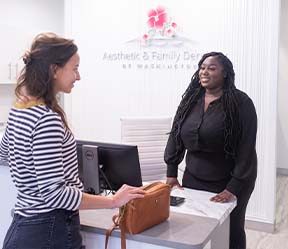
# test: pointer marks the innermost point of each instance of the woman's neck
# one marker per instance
(25, 101)
(214, 93)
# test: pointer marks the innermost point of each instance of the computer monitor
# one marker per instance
(88, 156)
(119, 163)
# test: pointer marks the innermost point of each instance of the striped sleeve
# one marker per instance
(47, 141)
(4, 149)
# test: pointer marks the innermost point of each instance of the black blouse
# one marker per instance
(202, 134)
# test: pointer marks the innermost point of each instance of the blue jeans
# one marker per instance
(58, 229)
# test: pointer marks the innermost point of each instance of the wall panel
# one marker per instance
(247, 31)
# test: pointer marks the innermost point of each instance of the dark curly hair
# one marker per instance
(228, 99)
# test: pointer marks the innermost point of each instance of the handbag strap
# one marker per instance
(123, 238)
(116, 220)
(108, 234)
(109, 231)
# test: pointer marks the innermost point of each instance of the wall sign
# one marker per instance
(162, 47)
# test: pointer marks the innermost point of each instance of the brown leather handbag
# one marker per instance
(140, 214)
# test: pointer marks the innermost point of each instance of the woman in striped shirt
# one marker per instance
(41, 151)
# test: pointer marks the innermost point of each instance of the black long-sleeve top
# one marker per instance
(202, 134)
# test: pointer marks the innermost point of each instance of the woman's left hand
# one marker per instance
(224, 196)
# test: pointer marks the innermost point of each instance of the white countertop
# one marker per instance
(1, 135)
(198, 203)
(2, 130)
(191, 225)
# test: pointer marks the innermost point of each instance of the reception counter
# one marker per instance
(196, 224)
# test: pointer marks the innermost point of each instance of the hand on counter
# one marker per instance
(224, 196)
(173, 182)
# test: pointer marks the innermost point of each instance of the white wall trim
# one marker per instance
(260, 226)
(282, 171)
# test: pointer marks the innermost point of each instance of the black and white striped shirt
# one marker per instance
(43, 162)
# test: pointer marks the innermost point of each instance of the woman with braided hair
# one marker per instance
(216, 124)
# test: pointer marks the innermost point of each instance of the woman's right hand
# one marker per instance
(125, 194)
(173, 182)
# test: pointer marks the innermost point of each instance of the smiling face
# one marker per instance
(66, 76)
(211, 74)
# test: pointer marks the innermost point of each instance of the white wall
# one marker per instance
(20, 22)
(245, 30)
(6, 100)
(282, 117)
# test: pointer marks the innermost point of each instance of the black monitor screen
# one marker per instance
(119, 163)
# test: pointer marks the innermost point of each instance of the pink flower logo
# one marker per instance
(161, 30)
(159, 24)
(157, 18)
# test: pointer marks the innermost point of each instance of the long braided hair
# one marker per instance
(228, 99)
